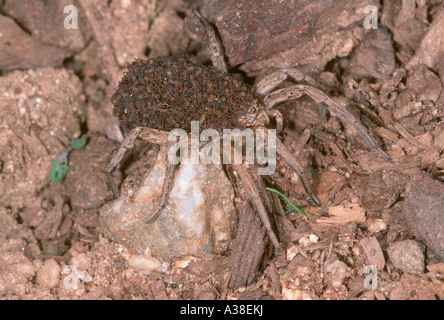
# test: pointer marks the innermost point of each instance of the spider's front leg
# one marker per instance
(153, 136)
(116, 158)
(297, 166)
(265, 86)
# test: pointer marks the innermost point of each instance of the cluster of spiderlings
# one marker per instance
(165, 94)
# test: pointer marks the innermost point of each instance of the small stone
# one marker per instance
(292, 252)
(313, 238)
(374, 57)
(143, 264)
(295, 294)
(183, 263)
(48, 275)
(377, 225)
(337, 271)
(80, 261)
(26, 269)
(424, 84)
(379, 190)
(304, 242)
(407, 255)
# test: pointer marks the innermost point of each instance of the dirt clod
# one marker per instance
(49, 274)
(89, 161)
(407, 255)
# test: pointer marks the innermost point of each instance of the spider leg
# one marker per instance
(294, 163)
(167, 183)
(266, 85)
(151, 135)
(255, 197)
(339, 111)
(326, 102)
(114, 161)
(308, 87)
(215, 44)
(279, 120)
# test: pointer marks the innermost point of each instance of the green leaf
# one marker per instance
(54, 169)
(77, 143)
(289, 202)
(58, 171)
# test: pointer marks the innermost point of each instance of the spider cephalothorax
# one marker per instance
(165, 94)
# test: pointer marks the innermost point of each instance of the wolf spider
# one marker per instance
(258, 116)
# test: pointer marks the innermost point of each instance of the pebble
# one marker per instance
(377, 225)
(48, 275)
(292, 252)
(144, 264)
(407, 255)
(80, 261)
(295, 294)
(183, 263)
(337, 271)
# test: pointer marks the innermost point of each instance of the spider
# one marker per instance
(161, 94)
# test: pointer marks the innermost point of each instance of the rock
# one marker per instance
(48, 275)
(423, 209)
(295, 294)
(376, 225)
(410, 33)
(432, 45)
(379, 190)
(197, 220)
(407, 255)
(263, 35)
(80, 260)
(424, 83)
(415, 288)
(18, 50)
(44, 20)
(167, 35)
(144, 264)
(127, 26)
(337, 271)
(40, 116)
(374, 57)
(292, 251)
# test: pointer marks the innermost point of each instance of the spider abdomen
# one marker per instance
(165, 94)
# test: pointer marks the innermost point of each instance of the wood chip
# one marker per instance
(340, 215)
(373, 252)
